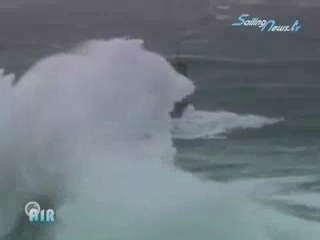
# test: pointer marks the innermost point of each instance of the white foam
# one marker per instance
(203, 124)
(95, 123)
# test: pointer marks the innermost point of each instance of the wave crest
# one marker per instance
(206, 125)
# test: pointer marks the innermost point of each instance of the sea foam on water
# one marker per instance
(87, 133)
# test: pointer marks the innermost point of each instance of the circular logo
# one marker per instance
(30, 206)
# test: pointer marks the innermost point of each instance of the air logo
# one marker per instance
(38, 215)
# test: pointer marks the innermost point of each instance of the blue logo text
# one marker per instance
(266, 25)
(38, 215)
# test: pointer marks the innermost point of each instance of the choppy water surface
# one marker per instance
(87, 132)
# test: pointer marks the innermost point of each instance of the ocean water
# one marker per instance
(87, 132)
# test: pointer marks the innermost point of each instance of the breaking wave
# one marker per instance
(203, 124)
(87, 133)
